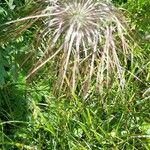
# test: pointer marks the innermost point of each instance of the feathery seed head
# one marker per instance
(92, 41)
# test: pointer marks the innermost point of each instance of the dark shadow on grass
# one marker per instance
(14, 114)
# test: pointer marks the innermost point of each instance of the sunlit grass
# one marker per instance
(98, 115)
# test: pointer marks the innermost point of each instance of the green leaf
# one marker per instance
(2, 71)
(10, 4)
(2, 11)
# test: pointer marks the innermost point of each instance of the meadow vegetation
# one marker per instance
(74, 75)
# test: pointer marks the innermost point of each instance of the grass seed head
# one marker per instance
(91, 37)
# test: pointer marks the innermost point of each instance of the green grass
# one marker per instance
(33, 116)
(112, 120)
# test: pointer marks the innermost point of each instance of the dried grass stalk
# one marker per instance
(90, 35)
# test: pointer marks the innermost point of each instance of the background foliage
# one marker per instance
(31, 117)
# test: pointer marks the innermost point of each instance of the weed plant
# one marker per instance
(32, 117)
